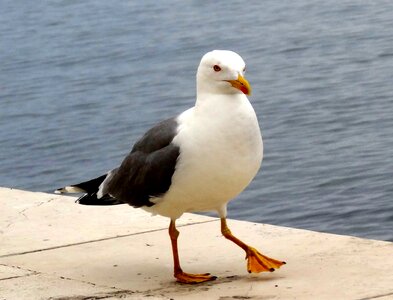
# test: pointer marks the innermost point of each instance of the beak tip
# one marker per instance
(241, 84)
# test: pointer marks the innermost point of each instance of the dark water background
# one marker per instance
(81, 80)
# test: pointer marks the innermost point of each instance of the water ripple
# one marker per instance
(80, 81)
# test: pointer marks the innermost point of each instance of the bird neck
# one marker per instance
(212, 104)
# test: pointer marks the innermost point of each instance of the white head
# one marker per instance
(221, 72)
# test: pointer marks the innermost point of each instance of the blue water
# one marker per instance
(81, 80)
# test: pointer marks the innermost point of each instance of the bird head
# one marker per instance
(222, 72)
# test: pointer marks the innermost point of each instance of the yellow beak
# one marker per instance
(241, 84)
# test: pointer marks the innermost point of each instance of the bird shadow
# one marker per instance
(235, 279)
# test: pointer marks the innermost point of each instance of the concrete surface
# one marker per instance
(52, 248)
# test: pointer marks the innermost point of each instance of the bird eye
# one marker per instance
(216, 68)
(244, 70)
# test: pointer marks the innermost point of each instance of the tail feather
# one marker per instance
(90, 188)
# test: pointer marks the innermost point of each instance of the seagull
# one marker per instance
(197, 161)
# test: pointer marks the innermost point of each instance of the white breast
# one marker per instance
(220, 153)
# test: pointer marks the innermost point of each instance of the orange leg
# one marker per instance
(256, 262)
(178, 272)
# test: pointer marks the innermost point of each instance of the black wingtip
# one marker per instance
(91, 199)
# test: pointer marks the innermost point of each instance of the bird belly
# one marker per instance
(214, 166)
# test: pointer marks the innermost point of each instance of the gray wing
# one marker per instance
(147, 170)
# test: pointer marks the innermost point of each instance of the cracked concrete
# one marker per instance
(56, 249)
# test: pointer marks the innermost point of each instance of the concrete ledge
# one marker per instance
(51, 248)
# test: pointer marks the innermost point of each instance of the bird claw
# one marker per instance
(188, 278)
(257, 262)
